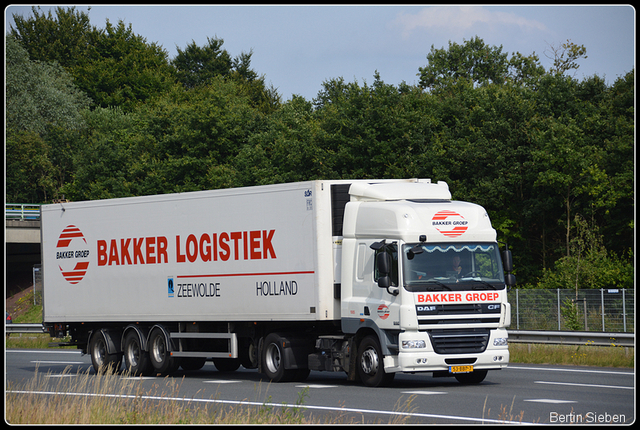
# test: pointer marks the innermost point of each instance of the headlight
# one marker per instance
(500, 341)
(414, 344)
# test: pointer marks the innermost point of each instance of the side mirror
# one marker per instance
(510, 279)
(383, 262)
(384, 281)
(507, 261)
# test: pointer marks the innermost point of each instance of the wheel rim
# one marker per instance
(100, 352)
(369, 361)
(133, 354)
(158, 349)
(272, 358)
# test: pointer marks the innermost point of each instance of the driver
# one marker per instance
(456, 265)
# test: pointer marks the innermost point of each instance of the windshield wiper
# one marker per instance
(420, 286)
(437, 283)
(483, 287)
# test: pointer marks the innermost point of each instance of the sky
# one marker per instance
(297, 48)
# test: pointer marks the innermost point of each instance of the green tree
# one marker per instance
(589, 264)
(473, 60)
(113, 66)
(39, 94)
(41, 101)
(66, 39)
(197, 65)
(565, 56)
(284, 149)
(28, 167)
(125, 70)
(192, 137)
(102, 168)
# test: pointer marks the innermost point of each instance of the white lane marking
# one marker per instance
(137, 378)
(424, 392)
(46, 351)
(221, 381)
(584, 385)
(570, 370)
(316, 386)
(549, 401)
(57, 362)
(282, 405)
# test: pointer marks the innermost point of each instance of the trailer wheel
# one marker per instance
(370, 365)
(475, 377)
(135, 358)
(226, 364)
(100, 358)
(192, 363)
(273, 359)
(159, 354)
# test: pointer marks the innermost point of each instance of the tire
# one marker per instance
(301, 375)
(370, 365)
(475, 377)
(273, 360)
(103, 361)
(248, 353)
(192, 363)
(136, 359)
(159, 355)
(226, 364)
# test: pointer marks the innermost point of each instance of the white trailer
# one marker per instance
(354, 276)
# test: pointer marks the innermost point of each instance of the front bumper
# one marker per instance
(427, 360)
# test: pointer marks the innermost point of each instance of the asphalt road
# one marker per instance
(520, 393)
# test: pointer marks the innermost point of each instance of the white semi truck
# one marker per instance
(366, 277)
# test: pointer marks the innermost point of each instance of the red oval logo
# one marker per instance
(383, 312)
(449, 223)
(72, 254)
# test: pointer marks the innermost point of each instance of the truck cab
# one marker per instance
(422, 275)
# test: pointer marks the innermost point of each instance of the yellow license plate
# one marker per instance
(460, 369)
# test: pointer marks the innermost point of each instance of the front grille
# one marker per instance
(461, 321)
(463, 341)
(466, 313)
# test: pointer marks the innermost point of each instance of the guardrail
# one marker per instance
(20, 211)
(594, 338)
(24, 328)
(515, 336)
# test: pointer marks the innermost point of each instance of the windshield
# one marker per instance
(457, 266)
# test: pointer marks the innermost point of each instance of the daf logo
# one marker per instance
(425, 308)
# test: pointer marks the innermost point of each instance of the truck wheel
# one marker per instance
(100, 358)
(192, 363)
(226, 364)
(159, 354)
(301, 375)
(370, 365)
(273, 359)
(135, 358)
(475, 377)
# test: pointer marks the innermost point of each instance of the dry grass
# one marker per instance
(106, 398)
(572, 355)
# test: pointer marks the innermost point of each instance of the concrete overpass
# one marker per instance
(22, 245)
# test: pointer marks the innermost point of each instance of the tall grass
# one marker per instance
(576, 355)
(107, 398)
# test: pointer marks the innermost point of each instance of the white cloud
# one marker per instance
(459, 19)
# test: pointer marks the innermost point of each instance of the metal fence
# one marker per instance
(21, 211)
(611, 310)
(37, 284)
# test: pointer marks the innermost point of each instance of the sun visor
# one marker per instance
(423, 189)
